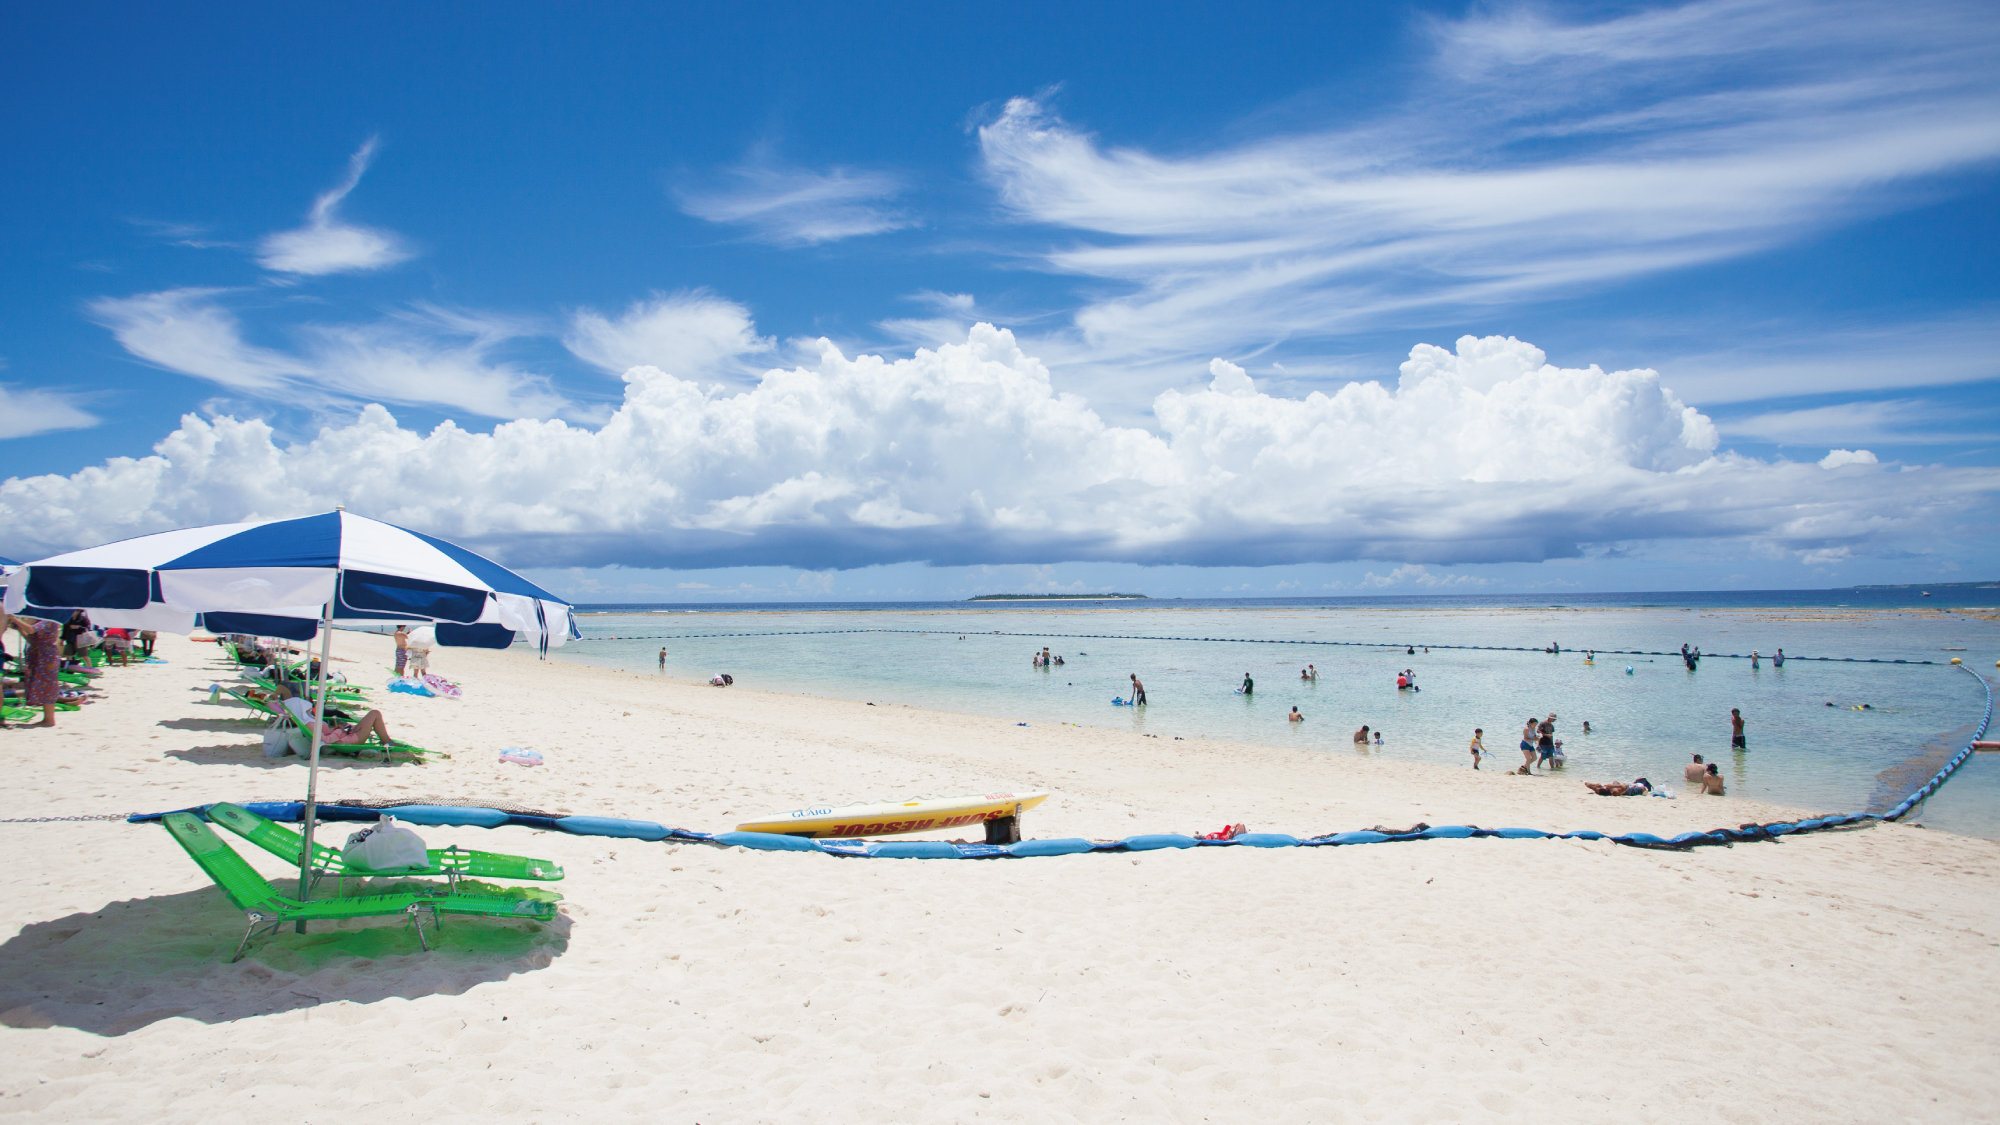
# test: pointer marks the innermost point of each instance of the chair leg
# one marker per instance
(256, 920)
(417, 919)
(245, 943)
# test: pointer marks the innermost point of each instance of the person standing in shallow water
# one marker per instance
(1736, 741)
(1249, 685)
(1478, 745)
(1138, 690)
(663, 660)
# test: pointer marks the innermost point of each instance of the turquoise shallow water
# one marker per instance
(1802, 752)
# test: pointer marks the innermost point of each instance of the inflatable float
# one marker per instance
(891, 818)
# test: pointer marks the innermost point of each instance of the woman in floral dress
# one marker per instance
(41, 661)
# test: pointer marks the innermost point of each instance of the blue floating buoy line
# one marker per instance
(483, 817)
(1225, 640)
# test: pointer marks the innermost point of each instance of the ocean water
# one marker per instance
(1886, 728)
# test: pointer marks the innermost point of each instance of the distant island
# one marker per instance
(1052, 597)
(1987, 585)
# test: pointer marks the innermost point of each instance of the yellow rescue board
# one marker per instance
(893, 817)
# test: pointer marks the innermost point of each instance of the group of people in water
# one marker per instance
(1541, 750)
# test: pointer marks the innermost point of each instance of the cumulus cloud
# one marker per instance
(1537, 155)
(426, 356)
(800, 207)
(691, 335)
(1835, 458)
(1417, 574)
(325, 244)
(25, 411)
(967, 454)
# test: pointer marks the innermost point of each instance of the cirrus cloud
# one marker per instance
(967, 453)
(689, 334)
(25, 411)
(426, 355)
(325, 244)
(1537, 156)
(796, 206)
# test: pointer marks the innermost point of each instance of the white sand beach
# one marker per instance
(1843, 976)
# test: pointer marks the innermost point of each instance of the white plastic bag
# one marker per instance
(277, 742)
(388, 846)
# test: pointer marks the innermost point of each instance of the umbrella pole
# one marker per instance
(312, 762)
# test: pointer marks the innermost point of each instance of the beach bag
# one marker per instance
(277, 742)
(300, 742)
(388, 846)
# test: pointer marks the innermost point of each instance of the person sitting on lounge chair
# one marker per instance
(348, 734)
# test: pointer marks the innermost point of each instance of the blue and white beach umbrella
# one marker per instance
(279, 578)
(294, 578)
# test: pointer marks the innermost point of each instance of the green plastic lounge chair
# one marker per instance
(266, 908)
(263, 678)
(452, 862)
(355, 749)
(256, 705)
(282, 718)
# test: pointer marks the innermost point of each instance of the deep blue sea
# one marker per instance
(1832, 735)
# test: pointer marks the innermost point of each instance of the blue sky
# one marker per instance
(1768, 228)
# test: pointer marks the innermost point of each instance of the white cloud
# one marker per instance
(186, 330)
(1948, 351)
(1835, 458)
(1904, 421)
(430, 356)
(799, 207)
(327, 245)
(1417, 574)
(1537, 157)
(25, 411)
(967, 454)
(692, 335)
